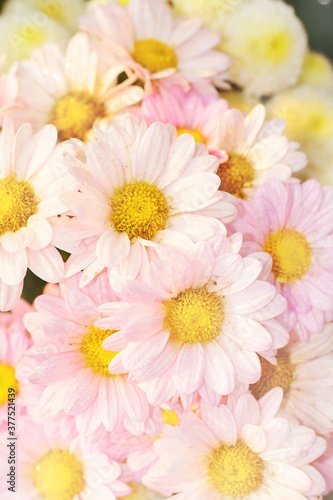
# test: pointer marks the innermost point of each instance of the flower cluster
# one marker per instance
(182, 346)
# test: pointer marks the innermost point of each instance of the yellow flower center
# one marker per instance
(139, 209)
(271, 46)
(236, 174)
(317, 70)
(193, 132)
(154, 55)
(17, 203)
(195, 315)
(236, 470)
(7, 380)
(170, 417)
(59, 475)
(291, 254)
(51, 8)
(123, 2)
(280, 375)
(74, 114)
(96, 357)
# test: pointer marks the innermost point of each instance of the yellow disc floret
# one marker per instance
(154, 55)
(198, 137)
(139, 209)
(291, 254)
(236, 471)
(236, 174)
(195, 315)
(74, 114)
(170, 417)
(96, 357)
(7, 380)
(59, 475)
(280, 375)
(272, 46)
(17, 203)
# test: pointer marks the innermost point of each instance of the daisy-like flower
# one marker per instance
(53, 466)
(143, 188)
(293, 223)
(31, 178)
(21, 33)
(308, 112)
(256, 149)
(73, 91)
(317, 71)
(63, 12)
(145, 37)
(267, 43)
(70, 359)
(191, 113)
(199, 324)
(304, 371)
(240, 451)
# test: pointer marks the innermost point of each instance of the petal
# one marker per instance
(47, 264)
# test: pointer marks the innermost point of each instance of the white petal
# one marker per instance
(47, 264)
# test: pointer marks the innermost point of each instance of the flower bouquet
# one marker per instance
(163, 172)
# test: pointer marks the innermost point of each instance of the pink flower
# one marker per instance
(191, 112)
(145, 37)
(293, 223)
(196, 324)
(325, 465)
(142, 188)
(70, 360)
(241, 451)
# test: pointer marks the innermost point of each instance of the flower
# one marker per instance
(308, 112)
(211, 12)
(325, 465)
(304, 371)
(145, 37)
(143, 188)
(51, 465)
(293, 223)
(196, 324)
(21, 34)
(71, 361)
(72, 90)
(267, 43)
(63, 12)
(191, 113)
(317, 71)
(31, 179)
(256, 149)
(241, 451)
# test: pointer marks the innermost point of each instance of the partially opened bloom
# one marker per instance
(257, 151)
(71, 361)
(143, 188)
(53, 466)
(71, 90)
(196, 324)
(293, 223)
(304, 371)
(145, 37)
(191, 112)
(31, 178)
(238, 451)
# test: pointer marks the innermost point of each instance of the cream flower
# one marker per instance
(267, 43)
(317, 70)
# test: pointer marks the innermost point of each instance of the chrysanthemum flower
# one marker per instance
(317, 71)
(21, 34)
(241, 451)
(142, 188)
(145, 37)
(257, 150)
(72, 90)
(293, 223)
(31, 178)
(51, 466)
(308, 112)
(191, 113)
(267, 43)
(70, 359)
(304, 371)
(64, 12)
(197, 323)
